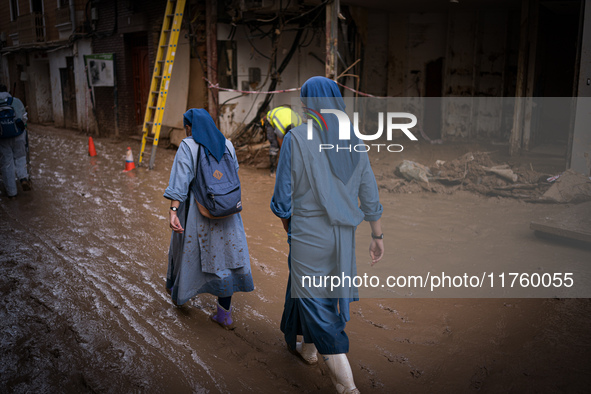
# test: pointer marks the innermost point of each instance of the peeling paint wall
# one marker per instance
(57, 59)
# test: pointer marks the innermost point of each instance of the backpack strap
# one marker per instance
(194, 146)
(6, 102)
(232, 152)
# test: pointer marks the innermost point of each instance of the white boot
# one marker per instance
(307, 352)
(340, 373)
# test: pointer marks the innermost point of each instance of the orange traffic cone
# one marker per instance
(129, 164)
(91, 150)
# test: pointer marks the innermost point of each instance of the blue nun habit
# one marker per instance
(325, 196)
(211, 255)
(205, 132)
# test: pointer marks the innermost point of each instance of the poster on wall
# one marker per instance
(100, 68)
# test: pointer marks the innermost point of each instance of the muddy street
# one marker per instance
(83, 259)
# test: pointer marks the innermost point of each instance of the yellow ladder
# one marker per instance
(167, 47)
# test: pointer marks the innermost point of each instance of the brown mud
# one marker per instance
(83, 260)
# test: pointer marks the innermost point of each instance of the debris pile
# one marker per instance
(476, 172)
(569, 187)
(256, 155)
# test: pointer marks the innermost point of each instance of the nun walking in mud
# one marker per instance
(206, 255)
(321, 197)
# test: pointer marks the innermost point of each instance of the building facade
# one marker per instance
(478, 50)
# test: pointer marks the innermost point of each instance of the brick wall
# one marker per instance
(107, 42)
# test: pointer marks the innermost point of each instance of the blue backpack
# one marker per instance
(218, 186)
(9, 126)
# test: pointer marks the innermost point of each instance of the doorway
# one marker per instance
(558, 35)
(69, 94)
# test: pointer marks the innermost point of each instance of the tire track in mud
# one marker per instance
(110, 296)
(44, 285)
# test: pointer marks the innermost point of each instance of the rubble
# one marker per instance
(410, 170)
(570, 187)
(475, 172)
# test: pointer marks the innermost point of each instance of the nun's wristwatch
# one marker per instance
(377, 236)
(174, 209)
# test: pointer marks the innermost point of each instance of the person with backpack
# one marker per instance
(208, 251)
(13, 143)
(321, 196)
(277, 123)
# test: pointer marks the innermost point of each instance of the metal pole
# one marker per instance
(211, 15)
(332, 23)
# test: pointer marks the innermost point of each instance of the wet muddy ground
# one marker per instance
(84, 309)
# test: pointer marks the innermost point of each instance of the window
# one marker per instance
(37, 6)
(13, 10)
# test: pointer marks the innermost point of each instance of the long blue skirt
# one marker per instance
(318, 249)
(317, 319)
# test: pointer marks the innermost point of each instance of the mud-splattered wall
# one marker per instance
(446, 54)
(475, 66)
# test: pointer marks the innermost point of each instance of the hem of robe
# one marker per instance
(220, 287)
(318, 320)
